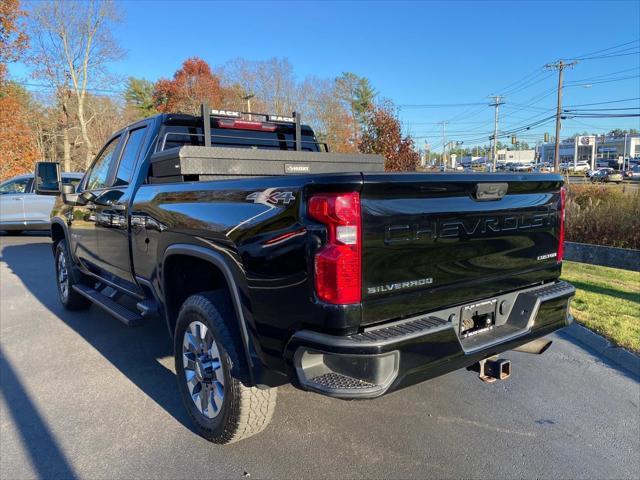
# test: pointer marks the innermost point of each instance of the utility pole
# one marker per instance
(444, 141)
(247, 98)
(624, 151)
(560, 66)
(497, 101)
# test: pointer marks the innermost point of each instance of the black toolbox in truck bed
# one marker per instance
(209, 163)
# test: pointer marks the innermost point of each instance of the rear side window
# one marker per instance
(129, 156)
(100, 171)
(282, 139)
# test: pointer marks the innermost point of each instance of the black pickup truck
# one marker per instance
(273, 261)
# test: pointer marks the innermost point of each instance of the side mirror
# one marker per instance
(47, 178)
(67, 189)
(69, 195)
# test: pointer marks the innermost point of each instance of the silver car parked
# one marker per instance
(22, 209)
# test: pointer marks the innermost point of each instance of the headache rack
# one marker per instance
(200, 160)
(206, 114)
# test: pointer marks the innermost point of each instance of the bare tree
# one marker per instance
(272, 83)
(72, 46)
(321, 108)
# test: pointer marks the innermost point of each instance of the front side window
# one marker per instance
(129, 155)
(19, 185)
(100, 171)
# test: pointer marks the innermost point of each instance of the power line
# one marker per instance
(605, 115)
(604, 103)
(528, 77)
(527, 107)
(438, 123)
(51, 87)
(589, 125)
(527, 85)
(508, 133)
(619, 79)
(534, 77)
(606, 75)
(533, 100)
(534, 73)
(637, 52)
(580, 57)
(599, 109)
(438, 105)
(536, 123)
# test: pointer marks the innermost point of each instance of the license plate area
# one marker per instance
(478, 318)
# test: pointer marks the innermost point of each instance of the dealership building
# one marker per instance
(591, 148)
(516, 156)
(503, 156)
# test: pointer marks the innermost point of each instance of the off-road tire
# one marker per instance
(72, 300)
(246, 410)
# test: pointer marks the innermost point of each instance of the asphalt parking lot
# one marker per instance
(85, 397)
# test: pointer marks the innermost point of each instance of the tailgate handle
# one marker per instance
(490, 191)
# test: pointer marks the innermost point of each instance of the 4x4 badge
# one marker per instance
(271, 197)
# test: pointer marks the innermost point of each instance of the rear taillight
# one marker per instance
(338, 276)
(563, 199)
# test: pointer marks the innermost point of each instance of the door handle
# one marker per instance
(144, 221)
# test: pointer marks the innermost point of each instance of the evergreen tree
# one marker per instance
(138, 95)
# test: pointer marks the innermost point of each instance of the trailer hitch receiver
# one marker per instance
(492, 369)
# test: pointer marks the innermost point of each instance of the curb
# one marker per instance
(625, 258)
(618, 355)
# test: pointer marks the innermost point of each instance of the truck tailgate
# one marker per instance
(435, 240)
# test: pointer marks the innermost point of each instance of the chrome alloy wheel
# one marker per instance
(203, 369)
(63, 276)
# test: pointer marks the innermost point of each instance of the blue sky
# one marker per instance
(413, 52)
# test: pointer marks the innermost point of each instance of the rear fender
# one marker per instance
(233, 280)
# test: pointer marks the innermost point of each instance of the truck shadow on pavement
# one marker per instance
(46, 455)
(133, 351)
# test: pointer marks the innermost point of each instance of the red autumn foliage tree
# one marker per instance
(382, 134)
(17, 146)
(191, 85)
(18, 150)
(13, 40)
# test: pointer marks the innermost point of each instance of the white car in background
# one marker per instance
(22, 209)
(580, 166)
